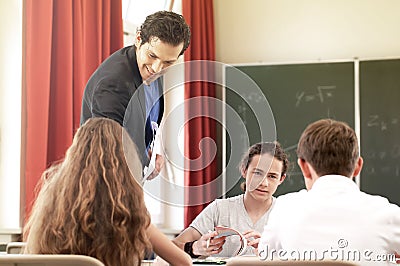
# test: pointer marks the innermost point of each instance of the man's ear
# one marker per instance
(305, 168)
(243, 172)
(358, 167)
(282, 178)
(138, 39)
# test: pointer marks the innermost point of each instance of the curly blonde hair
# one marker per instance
(90, 203)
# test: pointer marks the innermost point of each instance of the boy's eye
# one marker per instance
(272, 176)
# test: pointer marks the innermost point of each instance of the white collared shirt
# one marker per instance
(334, 220)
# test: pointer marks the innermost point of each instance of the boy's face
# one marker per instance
(263, 176)
(154, 56)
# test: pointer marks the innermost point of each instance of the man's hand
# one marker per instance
(159, 164)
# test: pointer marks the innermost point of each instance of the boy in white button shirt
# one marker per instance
(333, 220)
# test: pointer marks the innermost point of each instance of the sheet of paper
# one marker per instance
(227, 231)
(155, 146)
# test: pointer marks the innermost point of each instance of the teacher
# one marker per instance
(133, 74)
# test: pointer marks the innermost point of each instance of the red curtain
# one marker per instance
(64, 42)
(199, 15)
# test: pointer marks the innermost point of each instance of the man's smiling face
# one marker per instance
(154, 56)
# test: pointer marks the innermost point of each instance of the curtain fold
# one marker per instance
(65, 41)
(199, 15)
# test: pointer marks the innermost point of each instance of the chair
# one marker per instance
(15, 247)
(255, 261)
(48, 260)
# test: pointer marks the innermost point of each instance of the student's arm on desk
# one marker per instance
(166, 249)
(204, 245)
(188, 235)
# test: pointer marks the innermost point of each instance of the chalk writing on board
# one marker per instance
(242, 109)
(382, 124)
(290, 148)
(381, 158)
(388, 170)
(393, 153)
(322, 93)
(255, 97)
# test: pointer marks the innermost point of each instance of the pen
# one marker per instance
(208, 240)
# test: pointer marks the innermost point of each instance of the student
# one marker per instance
(90, 204)
(333, 219)
(264, 167)
(159, 42)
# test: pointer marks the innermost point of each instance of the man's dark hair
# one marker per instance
(167, 26)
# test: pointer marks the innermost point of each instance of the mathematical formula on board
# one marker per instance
(389, 170)
(385, 158)
(321, 95)
(375, 121)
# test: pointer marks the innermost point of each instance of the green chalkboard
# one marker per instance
(380, 127)
(283, 99)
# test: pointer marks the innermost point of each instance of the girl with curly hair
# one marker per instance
(91, 204)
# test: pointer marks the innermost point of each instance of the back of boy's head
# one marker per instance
(331, 147)
(167, 26)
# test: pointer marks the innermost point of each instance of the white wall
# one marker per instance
(305, 30)
(10, 114)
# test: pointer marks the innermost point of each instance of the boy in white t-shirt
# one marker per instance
(264, 167)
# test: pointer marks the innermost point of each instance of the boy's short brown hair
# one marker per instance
(330, 147)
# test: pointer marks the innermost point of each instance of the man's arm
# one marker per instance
(107, 101)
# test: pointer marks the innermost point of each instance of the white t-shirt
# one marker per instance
(334, 220)
(229, 212)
